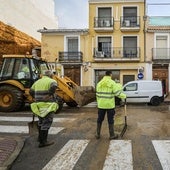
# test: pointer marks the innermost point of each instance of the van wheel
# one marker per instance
(155, 101)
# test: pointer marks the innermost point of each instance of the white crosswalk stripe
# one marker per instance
(162, 148)
(67, 157)
(23, 129)
(28, 119)
(117, 155)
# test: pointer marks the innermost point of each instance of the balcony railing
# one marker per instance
(160, 54)
(117, 53)
(103, 22)
(130, 22)
(70, 57)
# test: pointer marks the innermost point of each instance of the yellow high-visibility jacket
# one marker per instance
(106, 91)
(42, 91)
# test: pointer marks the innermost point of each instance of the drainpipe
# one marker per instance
(145, 19)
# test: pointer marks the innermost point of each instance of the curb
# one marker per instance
(13, 155)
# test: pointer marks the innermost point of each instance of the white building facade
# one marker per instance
(29, 16)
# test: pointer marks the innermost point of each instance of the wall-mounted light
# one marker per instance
(141, 69)
(86, 65)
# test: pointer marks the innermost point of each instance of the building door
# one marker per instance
(73, 73)
(162, 75)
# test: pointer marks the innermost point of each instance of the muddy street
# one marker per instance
(147, 126)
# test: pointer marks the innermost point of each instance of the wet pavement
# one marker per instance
(10, 147)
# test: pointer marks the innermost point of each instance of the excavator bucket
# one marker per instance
(84, 95)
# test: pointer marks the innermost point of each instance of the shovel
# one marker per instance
(125, 126)
(33, 126)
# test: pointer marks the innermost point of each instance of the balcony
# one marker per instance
(117, 54)
(70, 57)
(161, 55)
(130, 23)
(103, 24)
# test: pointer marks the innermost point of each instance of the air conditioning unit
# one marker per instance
(127, 23)
(99, 54)
(107, 23)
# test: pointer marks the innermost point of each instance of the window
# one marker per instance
(130, 16)
(8, 68)
(72, 44)
(127, 78)
(161, 47)
(104, 17)
(131, 87)
(130, 46)
(100, 73)
(104, 45)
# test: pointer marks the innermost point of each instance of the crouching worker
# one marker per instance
(106, 91)
(45, 105)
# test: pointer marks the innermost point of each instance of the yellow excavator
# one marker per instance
(19, 72)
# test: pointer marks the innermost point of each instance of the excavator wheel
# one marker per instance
(72, 104)
(11, 98)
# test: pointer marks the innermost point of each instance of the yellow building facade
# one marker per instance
(114, 40)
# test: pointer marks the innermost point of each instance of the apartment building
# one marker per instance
(66, 51)
(158, 50)
(115, 41)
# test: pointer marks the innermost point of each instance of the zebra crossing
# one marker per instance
(119, 154)
(24, 129)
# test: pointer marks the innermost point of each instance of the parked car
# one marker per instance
(144, 91)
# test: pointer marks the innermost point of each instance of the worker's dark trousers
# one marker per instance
(44, 124)
(110, 115)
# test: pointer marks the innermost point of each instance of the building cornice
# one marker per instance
(64, 31)
(114, 1)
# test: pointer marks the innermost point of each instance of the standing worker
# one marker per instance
(105, 93)
(45, 105)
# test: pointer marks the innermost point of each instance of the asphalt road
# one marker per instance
(144, 146)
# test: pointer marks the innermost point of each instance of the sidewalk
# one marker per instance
(167, 99)
(10, 148)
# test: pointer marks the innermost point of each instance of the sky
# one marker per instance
(74, 13)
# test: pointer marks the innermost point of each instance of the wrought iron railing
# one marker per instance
(75, 57)
(103, 22)
(117, 52)
(130, 22)
(160, 53)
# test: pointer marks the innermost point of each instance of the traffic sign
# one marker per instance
(140, 76)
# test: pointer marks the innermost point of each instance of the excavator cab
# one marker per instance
(21, 69)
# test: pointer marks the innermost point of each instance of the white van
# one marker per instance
(144, 91)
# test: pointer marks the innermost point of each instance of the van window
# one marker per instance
(131, 87)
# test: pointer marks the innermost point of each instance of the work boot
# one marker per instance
(43, 139)
(111, 131)
(98, 130)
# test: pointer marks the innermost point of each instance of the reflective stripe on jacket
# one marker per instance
(106, 91)
(43, 108)
(43, 88)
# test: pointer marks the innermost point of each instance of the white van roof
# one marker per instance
(148, 81)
